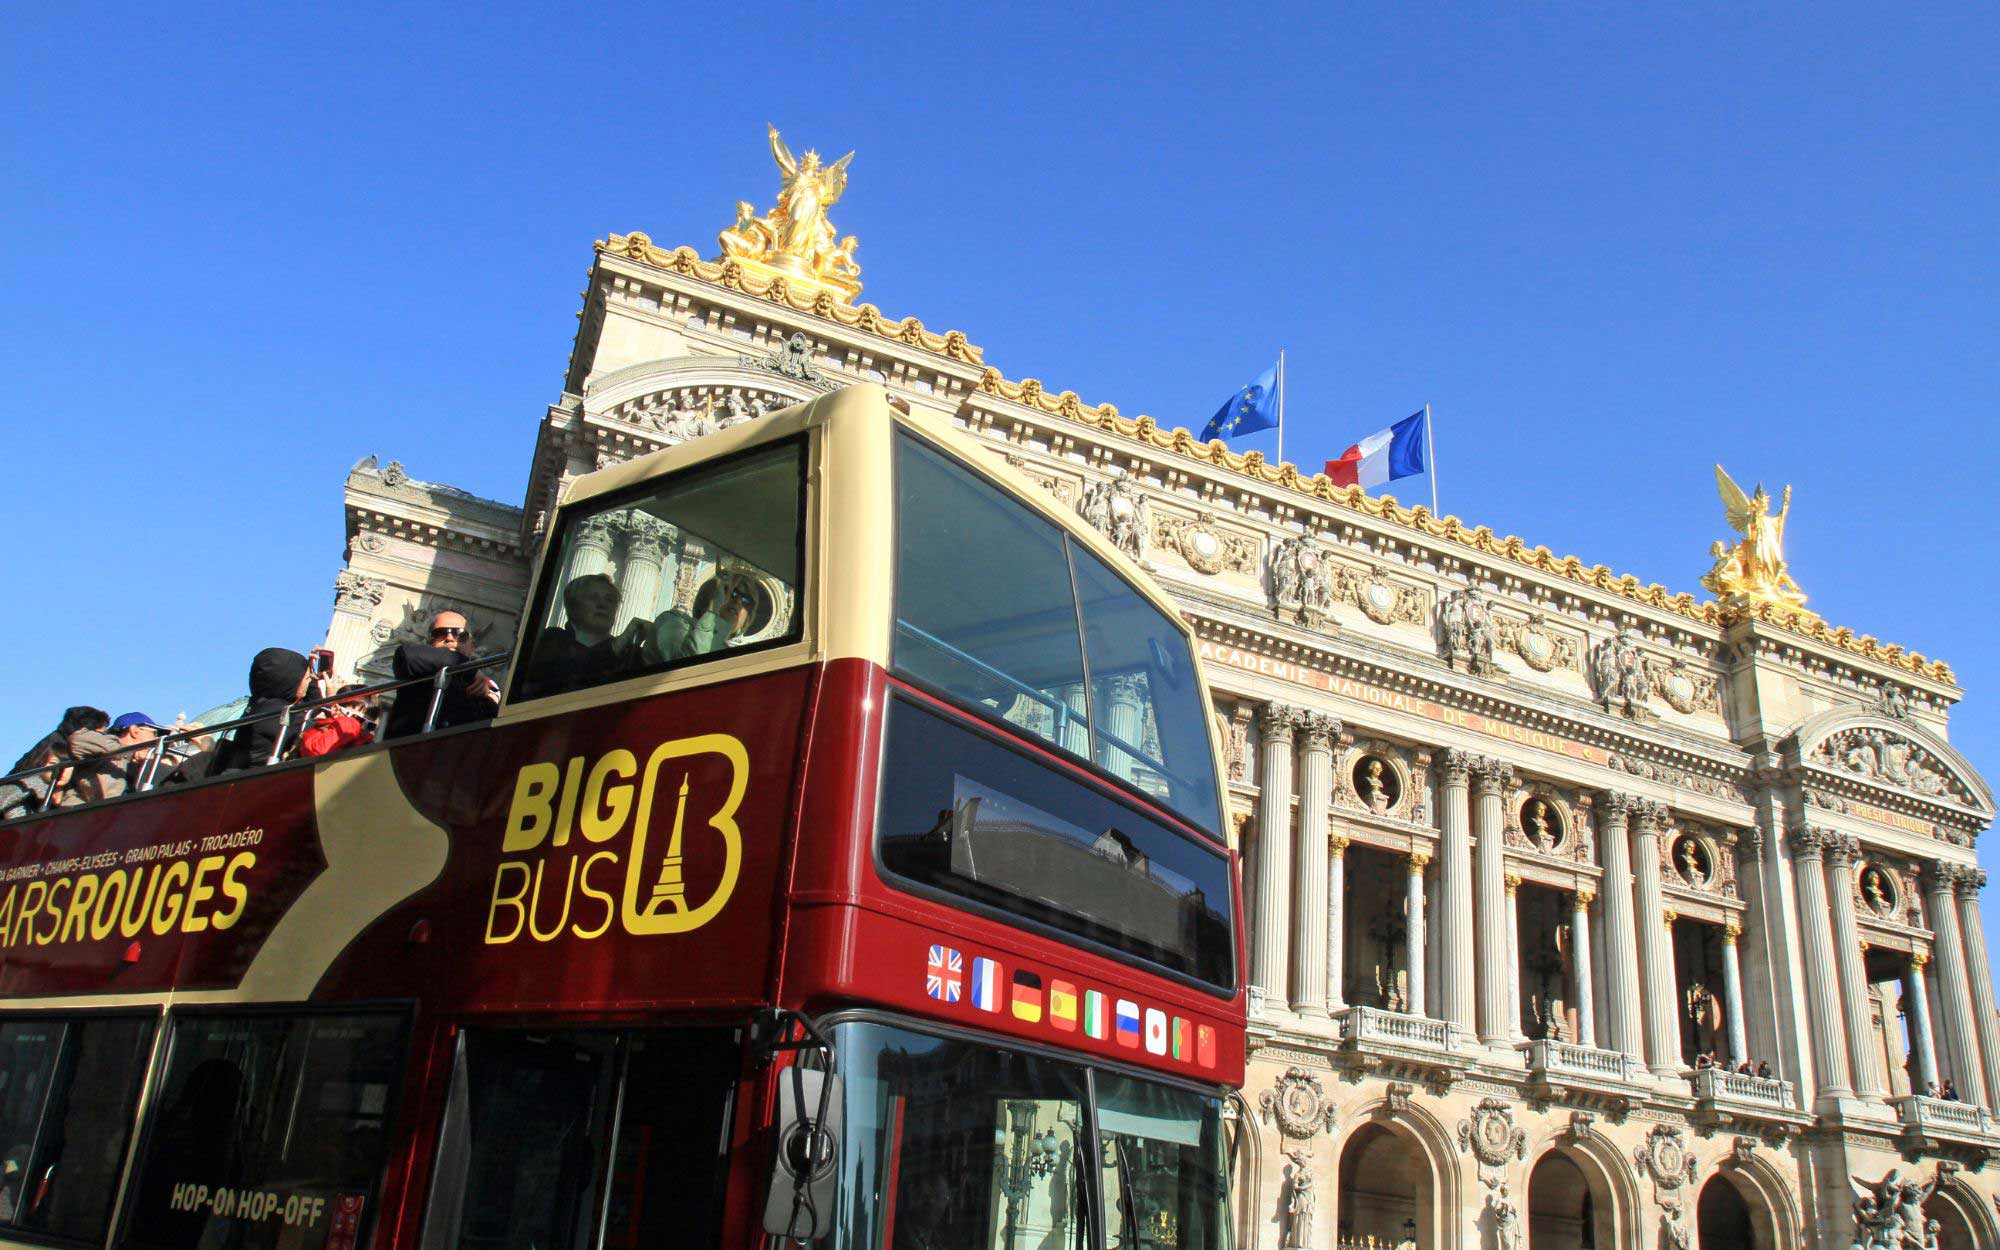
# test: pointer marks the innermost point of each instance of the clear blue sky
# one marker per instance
(242, 249)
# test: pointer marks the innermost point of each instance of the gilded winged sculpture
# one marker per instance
(795, 237)
(1752, 572)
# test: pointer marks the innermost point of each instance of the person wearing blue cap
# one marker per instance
(98, 777)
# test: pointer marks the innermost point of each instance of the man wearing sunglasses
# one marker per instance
(469, 696)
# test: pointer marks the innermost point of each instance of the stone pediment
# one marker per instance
(1876, 749)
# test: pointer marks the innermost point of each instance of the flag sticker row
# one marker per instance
(1065, 1008)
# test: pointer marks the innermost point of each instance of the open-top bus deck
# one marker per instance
(839, 779)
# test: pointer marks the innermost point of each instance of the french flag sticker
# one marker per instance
(1128, 1024)
(1156, 1031)
(985, 984)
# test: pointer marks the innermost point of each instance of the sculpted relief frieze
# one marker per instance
(1302, 582)
(1116, 508)
(1380, 599)
(1541, 647)
(1889, 759)
(1205, 546)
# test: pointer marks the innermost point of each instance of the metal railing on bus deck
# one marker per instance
(157, 748)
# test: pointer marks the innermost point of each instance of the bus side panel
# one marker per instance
(619, 858)
(169, 891)
(856, 939)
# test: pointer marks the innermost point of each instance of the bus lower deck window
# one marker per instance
(68, 1085)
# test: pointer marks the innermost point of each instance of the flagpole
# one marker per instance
(1430, 437)
(1281, 405)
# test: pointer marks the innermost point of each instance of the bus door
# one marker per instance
(584, 1139)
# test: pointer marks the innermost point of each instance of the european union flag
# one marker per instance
(1253, 408)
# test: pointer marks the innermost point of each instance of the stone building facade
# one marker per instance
(1522, 838)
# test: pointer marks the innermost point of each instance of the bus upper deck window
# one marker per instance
(696, 565)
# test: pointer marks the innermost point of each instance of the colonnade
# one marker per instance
(1471, 981)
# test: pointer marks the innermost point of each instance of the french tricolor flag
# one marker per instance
(1383, 456)
(986, 984)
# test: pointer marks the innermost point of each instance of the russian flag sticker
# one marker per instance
(1128, 1023)
(1156, 1031)
(1096, 1016)
(985, 984)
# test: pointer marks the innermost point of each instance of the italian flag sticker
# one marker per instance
(1096, 1015)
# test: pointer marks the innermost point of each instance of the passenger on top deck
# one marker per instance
(57, 739)
(468, 697)
(278, 679)
(588, 649)
(100, 778)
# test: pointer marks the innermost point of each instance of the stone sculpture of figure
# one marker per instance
(1871, 889)
(1677, 1233)
(1753, 571)
(1117, 510)
(735, 410)
(1468, 631)
(1374, 791)
(1889, 1215)
(1302, 580)
(1691, 863)
(1506, 1223)
(1299, 1205)
(1538, 824)
(1618, 667)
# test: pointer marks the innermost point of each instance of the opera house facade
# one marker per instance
(1582, 912)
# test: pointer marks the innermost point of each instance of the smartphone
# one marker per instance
(321, 662)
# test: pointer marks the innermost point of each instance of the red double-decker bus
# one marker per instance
(846, 864)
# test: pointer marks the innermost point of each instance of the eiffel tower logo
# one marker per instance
(670, 891)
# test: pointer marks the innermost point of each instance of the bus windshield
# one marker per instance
(680, 570)
(1001, 610)
(966, 1145)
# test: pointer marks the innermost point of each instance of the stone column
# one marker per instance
(1917, 1005)
(1336, 924)
(1621, 992)
(1656, 951)
(1309, 864)
(645, 556)
(1514, 958)
(1579, 941)
(1961, 1038)
(1979, 971)
(1732, 993)
(1455, 972)
(1270, 952)
(1822, 988)
(1489, 778)
(1075, 734)
(1124, 711)
(1841, 852)
(355, 598)
(1413, 932)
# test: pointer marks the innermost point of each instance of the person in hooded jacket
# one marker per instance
(278, 679)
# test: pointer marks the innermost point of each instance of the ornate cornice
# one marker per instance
(799, 297)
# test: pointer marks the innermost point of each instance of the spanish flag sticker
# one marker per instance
(1062, 1006)
(1027, 1002)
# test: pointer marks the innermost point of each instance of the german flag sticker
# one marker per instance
(1027, 1000)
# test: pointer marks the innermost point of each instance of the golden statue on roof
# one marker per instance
(1752, 573)
(795, 239)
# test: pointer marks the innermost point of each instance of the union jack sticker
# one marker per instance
(944, 975)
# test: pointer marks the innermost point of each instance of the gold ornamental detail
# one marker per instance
(1753, 572)
(795, 240)
(799, 297)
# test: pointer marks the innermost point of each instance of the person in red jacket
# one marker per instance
(339, 726)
